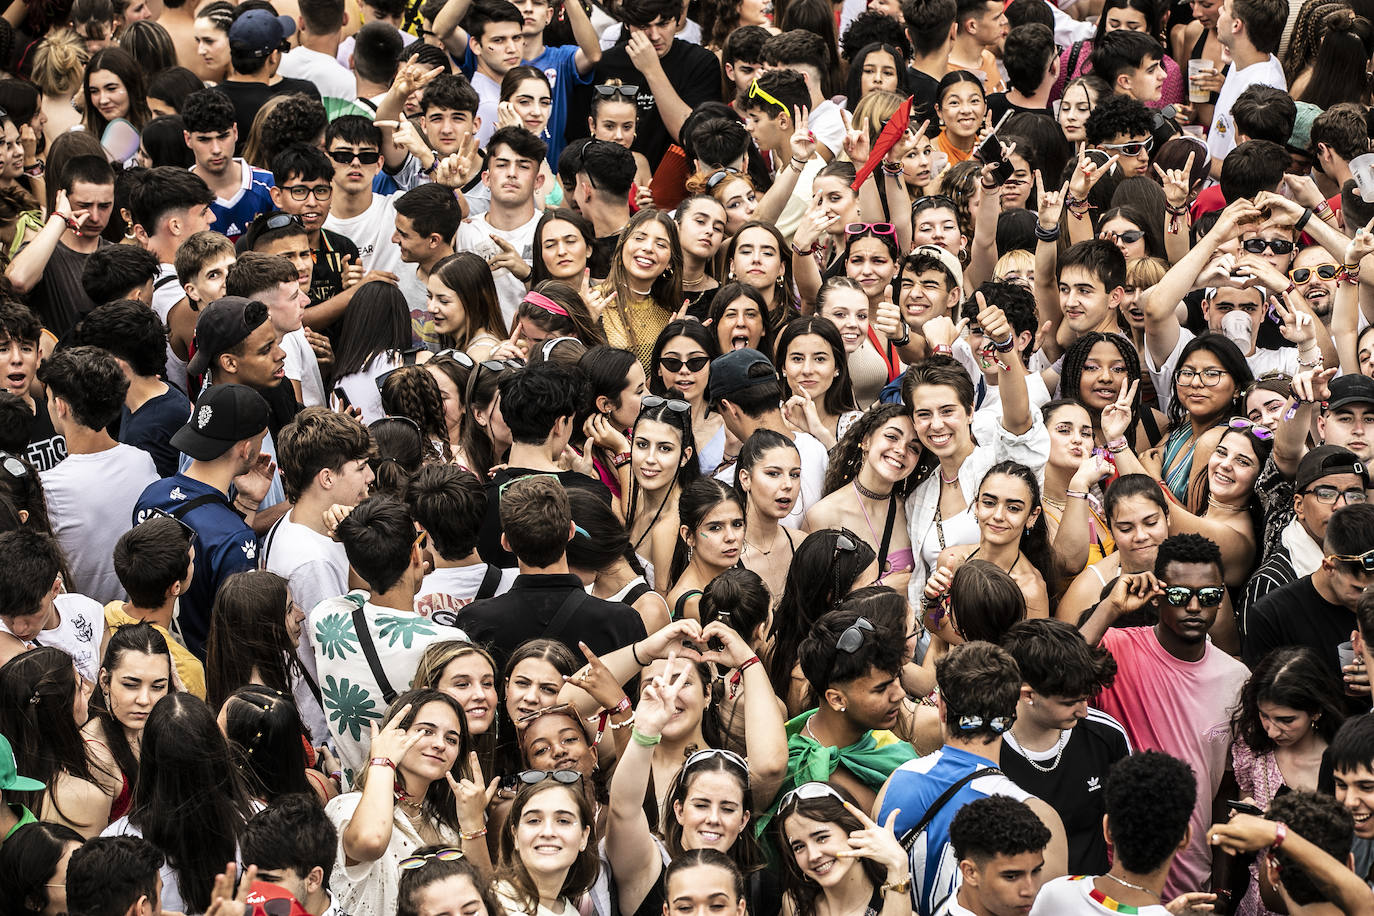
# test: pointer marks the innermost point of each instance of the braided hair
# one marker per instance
(412, 392)
(1076, 357)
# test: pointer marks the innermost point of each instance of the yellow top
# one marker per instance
(190, 672)
(634, 325)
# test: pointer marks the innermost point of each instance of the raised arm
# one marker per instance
(671, 108)
(765, 738)
(624, 663)
(1011, 374)
(446, 27)
(806, 241)
(1130, 593)
(1178, 218)
(1345, 316)
(368, 833)
(1086, 175)
(987, 205)
(1047, 264)
(1290, 440)
(410, 76)
(1071, 543)
(1247, 833)
(584, 33)
(803, 149)
(28, 265)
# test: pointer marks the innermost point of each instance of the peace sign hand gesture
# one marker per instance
(658, 698)
(803, 142)
(878, 844)
(1116, 417)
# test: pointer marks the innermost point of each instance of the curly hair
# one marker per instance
(1291, 676)
(411, 391)
(847, 458)
(1076, 357)
(1322, 821)
(1150, 799)
(1188, 549)
(297, 118)
(998, 825)
(1117, 115)
(978, 680)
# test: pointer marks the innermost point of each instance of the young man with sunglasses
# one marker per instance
(1328, 598)
(1172, 683)
(1328, 478)
(979, 686)
(241, 190)
(355, 145)
(1121, 126)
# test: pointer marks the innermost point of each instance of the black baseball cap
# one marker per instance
(223, 325)
(1351, 388)
(1326, 461)
(224, 416)
(730, 373)
(257, 33)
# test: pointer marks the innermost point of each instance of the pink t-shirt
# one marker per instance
(1170, 705)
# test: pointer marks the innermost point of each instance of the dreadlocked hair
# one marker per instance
(848, 456)
(1076, 357)
(412, 392)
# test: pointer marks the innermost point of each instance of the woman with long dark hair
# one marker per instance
(189, 801)
(42, 709)
(680, 367)
(768, 478)
(662, 462)
(451, 371)
(412, 392)
(876, 67)
(701, 230)
(373, 336)
(483, 436)
(739, 317)
(135, 673)
(1078, 535)
(961, 102)
(617, 382)
(264, 733)
(810, 356)
(33, 869)
(710, 539)
(848, 304)
(828, 565)
(758, 257)
(601, 555)
(1289, 711)
(1138, 517)
(548, 859)
(1097, 369)
(563, 242)
(114, 88)
(1347, 40)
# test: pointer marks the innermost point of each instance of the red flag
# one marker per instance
(892, 132)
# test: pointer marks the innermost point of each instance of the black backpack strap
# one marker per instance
(635, 593)
(170, 278)
(491, 581)
(564, 613)
(181, 511)
(370, 649)
(266, 543)
(909, 838)
(1074, 53)
(883, 564)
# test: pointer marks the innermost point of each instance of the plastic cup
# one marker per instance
(1362, 169)
(1196, 66)
(1346, 653)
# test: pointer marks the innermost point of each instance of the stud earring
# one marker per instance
(1030, 702)
(844, 708)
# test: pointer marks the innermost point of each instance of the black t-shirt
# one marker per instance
(998, 105)
(923, 87)
(1297, 615)
(152, 426)
(603, 252)
(1074, 787)
(46, 447)
(58, 299)
(693, 71)
(489, 538)
(248, 97)
(326, 281)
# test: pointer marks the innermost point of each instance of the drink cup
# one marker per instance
(1195, 95)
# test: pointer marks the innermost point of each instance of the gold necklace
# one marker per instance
(697, 283)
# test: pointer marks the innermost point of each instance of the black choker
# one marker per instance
(869, 494)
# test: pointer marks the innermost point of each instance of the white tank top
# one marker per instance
(81, 623)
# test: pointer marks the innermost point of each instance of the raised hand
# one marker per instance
(351, 272)
(471, 794)
(1313, 385)
(938, 583)
(583, 463)
(405, 136)
(223, 900)
(941, 331)
(411, 77)
(679, 637)
(658, 697)
(1178, 183)
(1051, 204)
(641, 52)
(254, 483)
(1133, 591)
(803, 142)
(391, 741)
(856, 145)
(1092, 469)
(887, 320)
(595, 678)
(800, 412)
(1361, 246)
(597, 297)
(603, 433)
(993, 321)
(507, 258)
(877, 844)
(1299, 325)
(1086, 175)
(1116, 417)
(506, 116)
(734, 650)
(814, 225)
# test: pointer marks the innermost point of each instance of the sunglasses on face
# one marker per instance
(1259, 432)
(1130, 236)
(1182, 595)
(852, 639)
(458, 356)
(693, 364)
(1131, 148)
(1303, 274)
(448, 854)
(302, 191)
(627, 91)
(1257, 246)
(1328, 495)
(364, 156)
(1356, 564)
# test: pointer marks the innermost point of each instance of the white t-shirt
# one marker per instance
(79, 632)
(1068, 896)
(371, 231)
(302, 365)
(475, 235)
(372, 888)
(361, 387)
(1221, 138)
(167, 292)
(329, 76)
(814, 458)
(827, 123)
(446, 591)
(488, 98)
(91, 501)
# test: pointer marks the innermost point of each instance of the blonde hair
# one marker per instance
(59, 63)
(436, 658)
(1018, 260)
(874, 110)
(1142, 273)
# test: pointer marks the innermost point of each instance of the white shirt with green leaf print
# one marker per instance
(351, 693)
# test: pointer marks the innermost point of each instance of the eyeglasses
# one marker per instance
(1361, 563)
(364, 156)
(729, 756)
(302, 191)
(562, 777)
(809, 791)
(653, 401)
(693, 364)
(628, 91)
(1131, 147)
(1181, 595)
(13, 466)
(1210, 377)
(718, 176)
(1257, 246)
(447, 854)
(755, 92)
(875, 228)
(185, 528)
(852, 639)
(1327, 495)
(1254, 429)
(458, 356)
(1303, 274)
(1130, 236)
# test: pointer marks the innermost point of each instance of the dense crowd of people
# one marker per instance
(475, 457)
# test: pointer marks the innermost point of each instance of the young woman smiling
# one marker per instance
(866, 486)
(735, 193)
(701, 230)
(114, 88)
(548, 858)
(1138, 517)
(663, 461)
(768, 476)
(1098, 368)
(1210, 373)
(468, 674)
(646, 279)
(837, 861)
(844, 303)
(680, 367)
(961, 104)
(810, 355)
(1011, 534)
(461, 296)
(710, 540)
(415, 791)
(135, 674)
